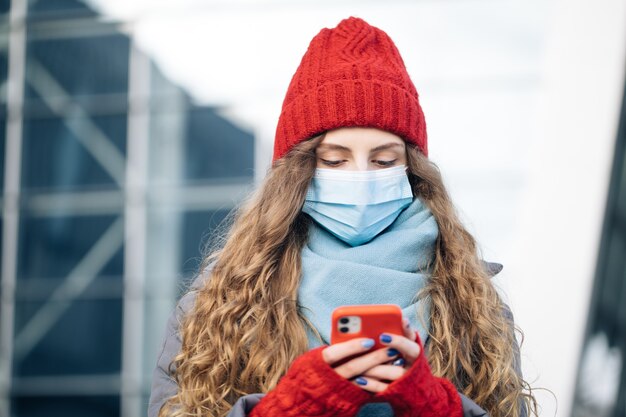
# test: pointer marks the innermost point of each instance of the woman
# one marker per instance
(352, 211)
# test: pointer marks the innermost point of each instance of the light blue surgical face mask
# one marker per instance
(356, 206)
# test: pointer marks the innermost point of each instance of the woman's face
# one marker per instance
(360, 149)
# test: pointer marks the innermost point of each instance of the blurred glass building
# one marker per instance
(601, 382)
(112, 177)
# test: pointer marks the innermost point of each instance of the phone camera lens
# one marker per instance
(344, 329)
(344, 320)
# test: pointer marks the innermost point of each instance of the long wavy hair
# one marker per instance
(246, 327)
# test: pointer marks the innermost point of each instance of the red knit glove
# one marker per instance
(419, 393)
(311, 387)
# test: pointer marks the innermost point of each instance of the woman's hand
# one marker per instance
(372, 369)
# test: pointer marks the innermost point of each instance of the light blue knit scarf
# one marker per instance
(391, 268)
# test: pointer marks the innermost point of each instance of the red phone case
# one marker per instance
(375, 319)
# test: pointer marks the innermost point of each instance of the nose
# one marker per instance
(361, 165)
(361, 162)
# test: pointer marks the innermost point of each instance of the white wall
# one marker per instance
(560, 216)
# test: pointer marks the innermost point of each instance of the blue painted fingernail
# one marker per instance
(368, 343)
(399, 362)
(392, 352)
(385, 338)
(361, 381)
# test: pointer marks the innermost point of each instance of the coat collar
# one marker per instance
(492, 268)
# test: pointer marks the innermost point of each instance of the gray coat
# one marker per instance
(164, 386)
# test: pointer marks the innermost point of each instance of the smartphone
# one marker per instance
(366, 320)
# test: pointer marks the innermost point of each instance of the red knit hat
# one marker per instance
(352, 75)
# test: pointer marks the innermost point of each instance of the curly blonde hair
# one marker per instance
(246, 327)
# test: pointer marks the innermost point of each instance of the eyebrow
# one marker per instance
(334, 146)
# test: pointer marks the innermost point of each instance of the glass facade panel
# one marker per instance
(95, 145)
(75, 66)
(3, 111)
(71, 345)
(1, 247)
(3, 71)
(63, 406)
(52, 247)
(208, 155)
(60, 9)
(68, 284)
(197, 227)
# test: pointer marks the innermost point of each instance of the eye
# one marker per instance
(331, 163)
(384, 163)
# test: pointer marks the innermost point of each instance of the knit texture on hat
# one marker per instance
(351, 75)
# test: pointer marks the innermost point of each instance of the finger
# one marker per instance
(409, 349)
(335, 353)
(360, 364)
(385, 372)
(409, 333)
(370, 384)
